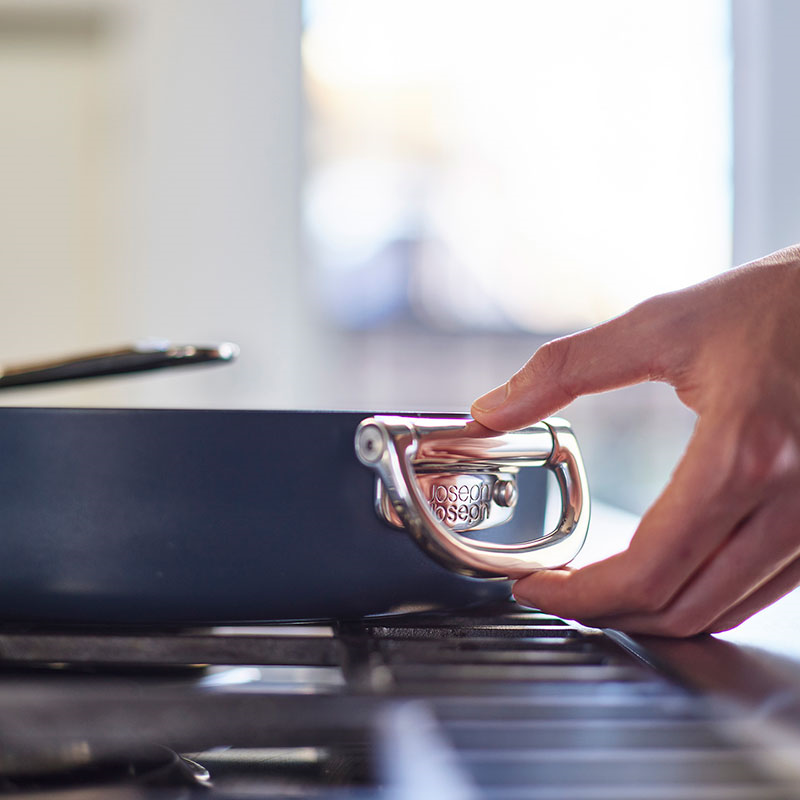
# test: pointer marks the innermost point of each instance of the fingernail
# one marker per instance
(492, 400)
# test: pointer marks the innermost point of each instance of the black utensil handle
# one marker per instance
(135, 358)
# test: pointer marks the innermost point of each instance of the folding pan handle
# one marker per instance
(394, 446)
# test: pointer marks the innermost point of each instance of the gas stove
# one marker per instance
(494, 701)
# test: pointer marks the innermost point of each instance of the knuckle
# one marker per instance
(658, 313)
(551, 358)
(653, 308)
(549, 364)
(766, 451)
(662, 318)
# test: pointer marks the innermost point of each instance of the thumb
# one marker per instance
(625, 350)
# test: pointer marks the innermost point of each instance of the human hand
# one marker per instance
(723, 539)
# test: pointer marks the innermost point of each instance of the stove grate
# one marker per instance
(495, 702)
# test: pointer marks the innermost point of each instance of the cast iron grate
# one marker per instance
(496, 702)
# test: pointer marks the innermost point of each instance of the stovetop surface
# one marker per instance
(491, 702)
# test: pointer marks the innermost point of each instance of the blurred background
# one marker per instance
(388, 205)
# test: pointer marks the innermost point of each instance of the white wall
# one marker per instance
(182, 176)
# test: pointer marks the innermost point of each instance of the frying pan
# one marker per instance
(162, 516)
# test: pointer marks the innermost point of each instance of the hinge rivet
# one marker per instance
(505, 493)
(370, 444)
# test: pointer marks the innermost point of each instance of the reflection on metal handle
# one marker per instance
(394, 445)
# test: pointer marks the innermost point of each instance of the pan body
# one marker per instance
(148, 516)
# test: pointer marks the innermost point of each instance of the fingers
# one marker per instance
(706, 500)
(626, 350)
(762, 553)
(780, 585)
(756, 564)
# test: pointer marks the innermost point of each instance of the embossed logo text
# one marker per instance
(464, 505)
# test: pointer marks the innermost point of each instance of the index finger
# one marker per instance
(628, 349)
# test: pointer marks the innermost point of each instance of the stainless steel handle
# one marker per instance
(395, 447)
